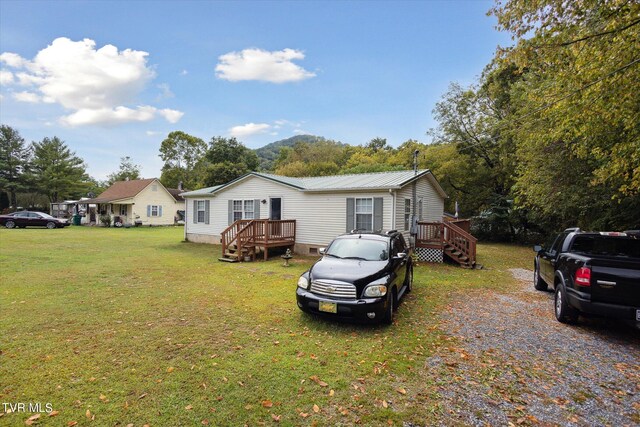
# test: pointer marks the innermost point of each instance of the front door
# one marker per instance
(275, 213)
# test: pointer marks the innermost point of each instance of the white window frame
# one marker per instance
(243, 209)
(407, 214)
(123, 210)
(201, 209)
(155, 210)
(362, 212)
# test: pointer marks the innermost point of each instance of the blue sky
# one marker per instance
(113, 78)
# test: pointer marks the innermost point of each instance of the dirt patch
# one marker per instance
(511, 362)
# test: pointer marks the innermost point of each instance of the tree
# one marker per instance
(127, 171)
(14, 163)
(227, 159)
(58, 173)
(323, 157)
(181, 154)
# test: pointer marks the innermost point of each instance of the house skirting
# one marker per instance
(429, 254)
(203, 238)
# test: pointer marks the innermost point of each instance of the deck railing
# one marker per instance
(258, 232)
(438, 235)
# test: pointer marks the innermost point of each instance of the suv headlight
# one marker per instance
(375, 291)
(303, 283)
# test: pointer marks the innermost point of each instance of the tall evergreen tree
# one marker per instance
(14, 163)
(58, 173)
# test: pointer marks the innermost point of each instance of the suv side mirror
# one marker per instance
(400, 255)
(322, 251)
(537, 248)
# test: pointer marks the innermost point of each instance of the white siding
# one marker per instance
(319, 216)
(432, 204)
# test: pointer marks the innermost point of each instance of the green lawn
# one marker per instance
(119, 326)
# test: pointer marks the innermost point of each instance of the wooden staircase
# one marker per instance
(243, 238)
(456, 244)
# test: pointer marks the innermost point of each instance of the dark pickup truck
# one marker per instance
(594, 273)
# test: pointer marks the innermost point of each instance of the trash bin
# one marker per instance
(77, 219)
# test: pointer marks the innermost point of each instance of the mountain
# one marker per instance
(269, 153)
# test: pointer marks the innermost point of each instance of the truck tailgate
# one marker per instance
(615, 281)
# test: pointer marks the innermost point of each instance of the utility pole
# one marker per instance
(414, 202)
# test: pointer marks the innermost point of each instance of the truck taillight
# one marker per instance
(583, 276)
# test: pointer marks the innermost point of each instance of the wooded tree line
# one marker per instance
(548, 137)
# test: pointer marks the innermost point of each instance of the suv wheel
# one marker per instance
(564, 312)
(388, 314)
(408, 281)
(538, 283)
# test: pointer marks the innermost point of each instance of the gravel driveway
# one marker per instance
(511, 363)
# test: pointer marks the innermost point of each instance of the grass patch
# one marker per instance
(135, 326)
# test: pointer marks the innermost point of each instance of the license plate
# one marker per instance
(328, 307)
(638, 315)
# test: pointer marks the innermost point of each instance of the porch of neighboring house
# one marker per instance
(244, 238)
(119, 213)
(450, 238)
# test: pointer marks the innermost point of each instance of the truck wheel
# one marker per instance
(564, 312)
(538, 283)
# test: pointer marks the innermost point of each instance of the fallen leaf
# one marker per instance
(188, 407)
(32, 419)
(316, 408)
(53, 413)
(331, 393)
(103, 397)
(142, 396)
(385, 404)
(205, 422)
(304, 414)
(401, 390)
(170, 369)
(276, 418)
(88, 414)
(72, 423)
(267, 403)
(318, 381)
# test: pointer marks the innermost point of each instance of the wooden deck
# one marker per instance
(456, 243)
(245, 237)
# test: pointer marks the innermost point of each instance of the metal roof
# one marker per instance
(355, 182)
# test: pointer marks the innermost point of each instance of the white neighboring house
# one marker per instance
(323, 207)
(139, 202)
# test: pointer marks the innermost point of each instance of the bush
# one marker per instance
(105, 220)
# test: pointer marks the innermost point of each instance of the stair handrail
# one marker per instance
(461, 240)
(230, 234)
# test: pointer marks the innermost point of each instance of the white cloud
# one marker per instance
(184, 72)
(172, 116)
(165, 91)
(25, 96)
(153, 133)
(12, 59)
(249, 129)
(258, 64)
(6, 77)
(94, 83)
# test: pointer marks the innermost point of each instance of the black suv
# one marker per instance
(362, 276)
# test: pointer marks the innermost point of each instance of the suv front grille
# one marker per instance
(332, 288)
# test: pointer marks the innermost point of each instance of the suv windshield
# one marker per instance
(364, 249)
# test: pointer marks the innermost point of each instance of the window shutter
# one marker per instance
(206, 211)
(230, 211)
(377, 213)
(148, 210)
(195, 211)
(351, 213)
(256, 209)
(160, 210)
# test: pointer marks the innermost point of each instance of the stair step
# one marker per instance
(227, 259)
(231, 255)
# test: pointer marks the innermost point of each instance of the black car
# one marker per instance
(32, 219)
(361, 277)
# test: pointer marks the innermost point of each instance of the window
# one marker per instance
(364, 214)
(407, 213)
(123, 210)
(243, 209)
(200, 209)
(420, 209)
(155, 210)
